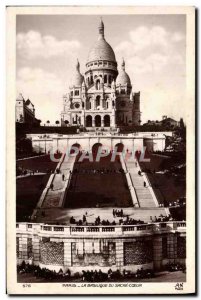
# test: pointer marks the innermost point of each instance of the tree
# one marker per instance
(57, 123)
(48, 122)
(66, 122)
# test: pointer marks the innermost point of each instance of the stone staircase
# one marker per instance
(145, 194)
(55, 197)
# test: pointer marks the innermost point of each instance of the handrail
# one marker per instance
(97, 229)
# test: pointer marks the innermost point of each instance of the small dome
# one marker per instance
(77, 77)
(123, 77)
(101, 50)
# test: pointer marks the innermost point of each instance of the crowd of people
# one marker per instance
(97, 222)
(88, 275)
(123, 219)
(130, 221)
(162, 218)
(118, 213)
(23, 172)
(97, 171)
(45, 273)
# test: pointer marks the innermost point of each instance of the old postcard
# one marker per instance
(101, 150)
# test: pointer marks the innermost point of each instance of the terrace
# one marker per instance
(105, 231)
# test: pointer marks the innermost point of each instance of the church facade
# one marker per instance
(103, 97)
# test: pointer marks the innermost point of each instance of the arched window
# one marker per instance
(88, 121)
(98, 121)
(119, 147)
(105, 78)
(104, 103)
(106, 121)
(97, 101)
(88, 103)
(92, 81)
(98, 84)
(110, 79)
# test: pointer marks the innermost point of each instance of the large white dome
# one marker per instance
(101, 49)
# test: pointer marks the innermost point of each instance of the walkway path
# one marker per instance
(145, 194)
(55, 215)
(55, 196)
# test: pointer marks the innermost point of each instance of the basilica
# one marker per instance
(104, 97)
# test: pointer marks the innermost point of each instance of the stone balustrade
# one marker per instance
(65, 230)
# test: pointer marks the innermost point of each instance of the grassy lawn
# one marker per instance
(167, 187)
(29, 189)
(107, 189)
(41, 163)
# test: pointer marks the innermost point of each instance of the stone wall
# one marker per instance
(138, 252)
(130, 141)
(116, 249)
(51, 253)
(100, 253)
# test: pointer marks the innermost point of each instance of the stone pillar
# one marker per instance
(102, 121)
(83, 120)
(93, 104)
(93, 121)
(112, 120)
(23, 247)
(103, 102)
(157, 252)
(172, 247)
(36, 249)
(67, 254)
(119, 254)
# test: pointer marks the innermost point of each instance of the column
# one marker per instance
(36, 249)
(67, 254)
(112, 120)
(92, 103)
(157, 252)
(23, 247)
(102, 121)
(83, 120)
(119, 254)
(102, 101)
(93, 121)
(172, 247)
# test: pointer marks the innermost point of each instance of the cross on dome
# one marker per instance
(123, 64)
(101, 29)
(78, 65)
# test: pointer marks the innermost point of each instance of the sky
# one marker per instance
(153, 47)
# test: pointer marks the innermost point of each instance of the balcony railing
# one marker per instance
(75, 230)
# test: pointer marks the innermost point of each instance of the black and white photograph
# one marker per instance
(102, 111)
